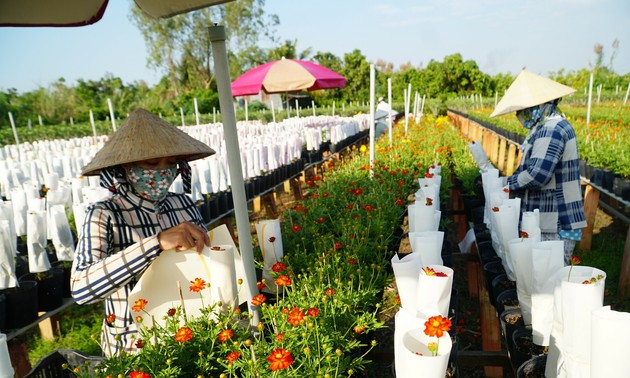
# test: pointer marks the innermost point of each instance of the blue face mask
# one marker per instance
(529, 117)
(152, 184)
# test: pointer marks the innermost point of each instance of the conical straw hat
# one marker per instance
(142, 136)
(529, 90)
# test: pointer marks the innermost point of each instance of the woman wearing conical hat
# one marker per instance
(548, 176)
(123, 234)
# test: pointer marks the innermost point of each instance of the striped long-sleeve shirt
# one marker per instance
(548, 177)
(117, 243)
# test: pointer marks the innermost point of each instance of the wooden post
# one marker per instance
(296, 186)
(494, 148)
(591, 202)
(269, 202)
(623, 290)
(509, 169)
(287, 186)
(256, 204)
(19, 357)
(50, 327)
(501, 163)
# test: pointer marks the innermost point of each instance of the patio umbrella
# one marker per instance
(85, 12)
(286, 75)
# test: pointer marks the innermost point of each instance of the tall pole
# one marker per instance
(590, 95)
(372, 90)
(196, 112)
(111, 113)
(389, 116)
(15, 133)
(217, 38)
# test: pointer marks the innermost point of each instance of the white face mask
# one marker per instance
(152, 184)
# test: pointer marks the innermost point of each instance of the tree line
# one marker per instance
(179, 47)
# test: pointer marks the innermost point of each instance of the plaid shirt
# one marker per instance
(548, 177)
(117, 243)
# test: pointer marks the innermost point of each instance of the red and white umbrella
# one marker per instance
(286, 75)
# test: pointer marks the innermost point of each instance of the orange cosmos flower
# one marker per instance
(139, 343)
(296, 228)
(436, 326)
(233, 356)
(197, 285)
(295, 316)
(279, 359)
(283, 280)
(495, 209)
(225, 335)
(429, 201)
(258, 299)
(280, 337)
(330, 292)
(260, 285)
(110, 318)
(183, 334)
(272, 239)
(139, 374)
(338, 245)
(313, 311)
(575, 260)
(139, 305)
(278, 267)
(171, 312)
(431, 272)
(523, 234)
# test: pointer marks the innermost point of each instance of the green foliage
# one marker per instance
(80, 327)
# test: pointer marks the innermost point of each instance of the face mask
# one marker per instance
(528, 117)
(152, 184)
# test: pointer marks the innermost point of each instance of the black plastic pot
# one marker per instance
(524, 348)
(534, 367)
(507, 300)
(66, 267)
(621, 187)
(3, 313)
(500, 284)
(21, 304)
(49, 288)
(491, 270)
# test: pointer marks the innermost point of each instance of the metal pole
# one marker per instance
(217, 38)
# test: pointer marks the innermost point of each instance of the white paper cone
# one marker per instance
(6, 370)
(18, 198)
(479, 155)
(36, 242)
(223, 276)
(421, 217)
(429, 245)
(6, 213)
(270, 242)
(547, 260)
(433, 295)
(221, 236)
(51, 180)
(7, 254)
(158, 284)
(61, 234)
(530, 224)
(408, 361)
(567, 313)
(406, 273)
(466, 244)
(521, 254)
(610, 343)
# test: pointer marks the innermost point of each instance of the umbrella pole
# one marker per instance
(217, 38)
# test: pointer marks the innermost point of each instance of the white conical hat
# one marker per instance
(144, 136)
(529, 90)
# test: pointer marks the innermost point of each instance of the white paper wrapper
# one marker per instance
(521, 254)
(221, 236)
(223, 276)
(7, 254)
(406, 273)
(421, 217)
(610, 343)
(490, 181)
(18, 198)
(6, 370)
(479, 155)
(268, 230)
(466, 244)
(6, 213)
(36, 242)
(433, 295)
(570, 342)
(158, 284)
(530, 223)
(409, 339)
(547, 260)
(59, 228)
(429, 245)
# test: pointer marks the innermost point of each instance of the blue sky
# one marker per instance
(500, 35)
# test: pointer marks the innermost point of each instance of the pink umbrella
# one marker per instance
(286, 75)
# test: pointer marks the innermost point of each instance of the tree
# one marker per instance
(180, 45)
(289, 50)
(356, 70)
